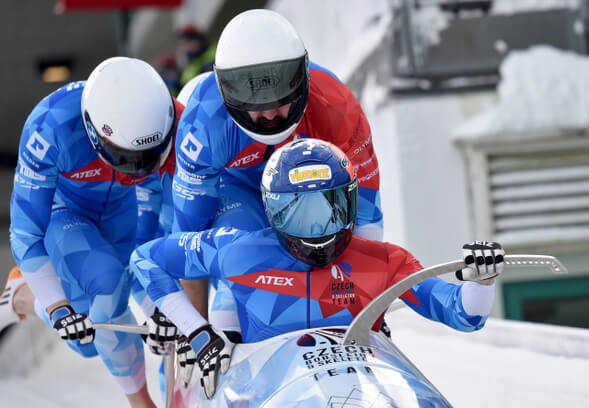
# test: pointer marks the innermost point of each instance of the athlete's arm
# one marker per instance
(462, 307)
(351, 132)
(198, 168)
(361, 154)
(149, 203)
(159, 264)
(30, 207)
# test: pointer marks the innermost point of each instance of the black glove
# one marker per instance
(187, 356)
(161, 331)
(484, 260)
(384, 328)
(212, 349)
(71, 325)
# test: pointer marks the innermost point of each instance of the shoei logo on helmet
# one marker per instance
(147, 140)
(267, 81)
(309, 173)
(107, 130)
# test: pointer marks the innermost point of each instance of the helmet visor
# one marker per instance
(263, 86)
(131, 162)
(313, 214)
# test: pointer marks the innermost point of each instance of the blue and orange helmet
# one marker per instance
(310, 195)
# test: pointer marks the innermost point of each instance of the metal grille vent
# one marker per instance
(539, 197)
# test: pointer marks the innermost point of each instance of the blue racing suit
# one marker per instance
(276, 293)
(73, 227)
(155, 212)
(219, 167)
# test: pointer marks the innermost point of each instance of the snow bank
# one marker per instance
(542, 89)
(506, 364)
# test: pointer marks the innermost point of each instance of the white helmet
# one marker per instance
(129, 115)
(261, 63)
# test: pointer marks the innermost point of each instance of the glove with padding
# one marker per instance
(71, 325)
(161, 331)
(213, 355)
(484, 260)
(187, 356)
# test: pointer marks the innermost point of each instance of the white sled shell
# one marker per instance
(312, 368)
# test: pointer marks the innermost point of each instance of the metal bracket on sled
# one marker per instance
(359, 330)
(169, 358)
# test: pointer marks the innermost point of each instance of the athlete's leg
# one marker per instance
(95, 279)
(16, 300)
(123, 242)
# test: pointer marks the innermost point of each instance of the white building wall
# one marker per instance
(433, 176)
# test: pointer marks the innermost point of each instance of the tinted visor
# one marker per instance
(313, 214)
(263, 87)
(131, 162)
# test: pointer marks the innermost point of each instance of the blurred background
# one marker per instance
(479, 111)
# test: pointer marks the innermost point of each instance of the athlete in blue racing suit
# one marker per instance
(74, 217)
(221, 151)
(308, 270)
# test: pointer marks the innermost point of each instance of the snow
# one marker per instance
(60, 378)
(519, 6)
(553, 98)
(351, 34)
(507, 364)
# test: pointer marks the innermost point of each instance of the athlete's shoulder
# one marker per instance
(325, 85)
(259, 238)
(373, 249)
(384, 251)
(205, 103)
(333, 112)
(245, 243)
(320, 73)
(59, 106)
(188, 89)
(54, 127)
(204, 127)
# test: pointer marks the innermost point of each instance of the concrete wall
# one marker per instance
(31, 31)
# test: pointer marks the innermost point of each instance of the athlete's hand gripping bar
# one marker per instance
(359, 329)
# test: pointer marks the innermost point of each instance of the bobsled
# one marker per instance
(313, 368)
(331, 367)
